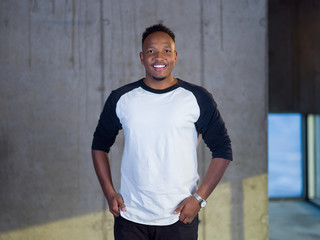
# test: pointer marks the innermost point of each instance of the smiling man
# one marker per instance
(159, 58)
(162, 118)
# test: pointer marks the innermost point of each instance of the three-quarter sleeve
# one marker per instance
(108, 126)
(212, 127)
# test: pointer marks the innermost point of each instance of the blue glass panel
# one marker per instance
(284, 155)
(317, 155)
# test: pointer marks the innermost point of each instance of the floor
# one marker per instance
(293, 220)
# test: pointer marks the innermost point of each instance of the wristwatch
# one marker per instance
(201, 201)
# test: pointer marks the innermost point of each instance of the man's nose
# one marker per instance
(158, 55)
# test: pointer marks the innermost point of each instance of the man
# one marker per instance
(162, 118)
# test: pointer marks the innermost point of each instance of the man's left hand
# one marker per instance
(188, 209)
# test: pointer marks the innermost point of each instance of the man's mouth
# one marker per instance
(159, 67)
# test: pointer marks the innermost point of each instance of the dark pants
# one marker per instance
(127, 230)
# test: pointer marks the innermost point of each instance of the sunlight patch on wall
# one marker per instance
(92, 226)
(215, 218)
(255, 207)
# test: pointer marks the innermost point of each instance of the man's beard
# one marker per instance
(158, 78)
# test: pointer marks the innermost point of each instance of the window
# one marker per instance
(285, 155)
(317, 159)
(313, 157)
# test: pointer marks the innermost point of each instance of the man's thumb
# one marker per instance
(178, 209)
(121, 205)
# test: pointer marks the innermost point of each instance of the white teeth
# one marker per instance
(159, 66)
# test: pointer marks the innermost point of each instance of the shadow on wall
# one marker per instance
(215, 219)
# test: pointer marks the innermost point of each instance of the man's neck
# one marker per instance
(160, 85)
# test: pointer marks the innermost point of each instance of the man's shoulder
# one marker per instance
(128, 86)
(117, 93)
(197, 90)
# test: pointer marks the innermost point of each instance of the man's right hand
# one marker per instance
(116, 204)
(101, 164)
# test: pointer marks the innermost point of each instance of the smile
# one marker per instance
(159, 67)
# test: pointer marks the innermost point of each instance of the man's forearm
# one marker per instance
(214, 174)
(189, 207)
(102, 167)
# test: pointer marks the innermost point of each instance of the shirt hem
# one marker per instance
(150, 223)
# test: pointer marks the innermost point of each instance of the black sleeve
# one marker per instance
(108, 126)
(212, 127)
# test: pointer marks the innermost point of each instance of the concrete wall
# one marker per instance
(60, 59)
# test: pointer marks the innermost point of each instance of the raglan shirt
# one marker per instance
(161, 129)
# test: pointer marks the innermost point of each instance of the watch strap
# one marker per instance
(200, 200)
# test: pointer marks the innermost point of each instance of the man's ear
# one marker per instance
(141, 57)
(176, 55)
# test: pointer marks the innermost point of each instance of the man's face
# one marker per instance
(158, 56)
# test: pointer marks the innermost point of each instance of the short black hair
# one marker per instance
(157, 28)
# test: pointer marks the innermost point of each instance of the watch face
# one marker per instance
(203, 204)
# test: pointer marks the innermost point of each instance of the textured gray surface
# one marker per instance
(293, 220)
(59, 60)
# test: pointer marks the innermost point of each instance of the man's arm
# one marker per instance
(190, 207)
(102, 167)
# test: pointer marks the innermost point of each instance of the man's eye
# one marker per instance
(150, 51)
(167, 51)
